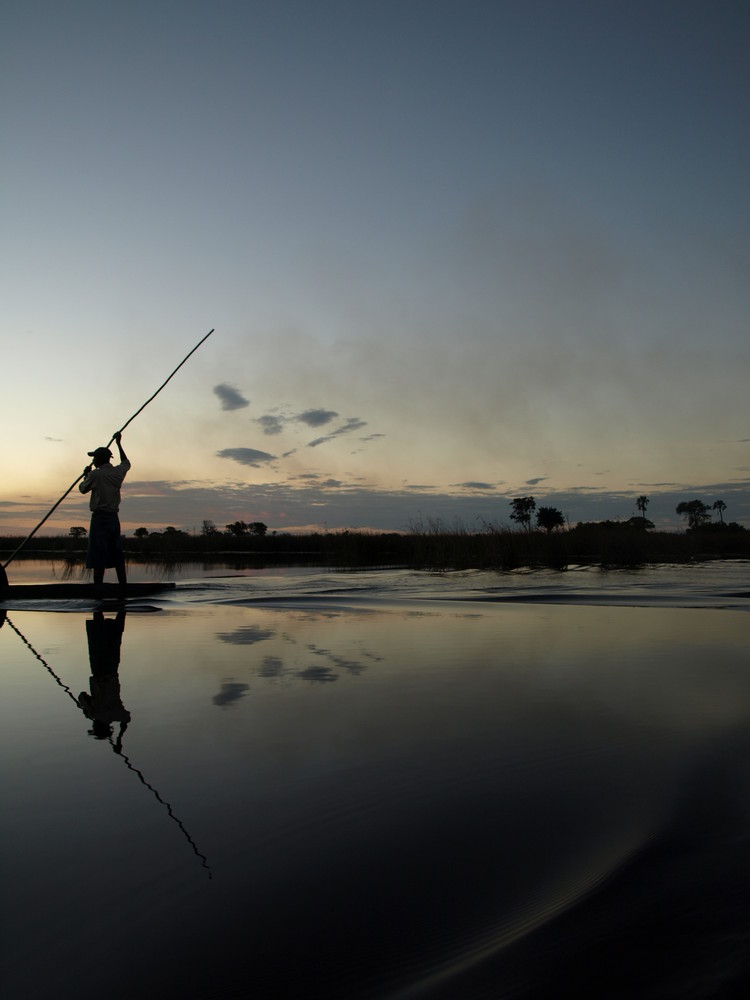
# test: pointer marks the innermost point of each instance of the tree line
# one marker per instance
(696, 513)
(237, 529)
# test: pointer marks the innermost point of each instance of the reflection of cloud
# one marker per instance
(246, 456)
(271, 666)
(352, 424)
(231, 398)
(321, 675)
(353, 666)
(247, 635)
(316, 418)
(231, 691)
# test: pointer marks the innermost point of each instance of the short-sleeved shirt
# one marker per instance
(104, 485)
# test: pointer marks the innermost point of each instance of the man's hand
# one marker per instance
(117, 437)
(87, 470)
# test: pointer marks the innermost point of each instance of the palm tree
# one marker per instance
(642, 503)
(721, 507)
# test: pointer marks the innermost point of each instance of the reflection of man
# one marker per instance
(103, 705)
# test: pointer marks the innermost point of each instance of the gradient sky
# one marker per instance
(453, 252)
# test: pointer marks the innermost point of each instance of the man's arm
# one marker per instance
(118, 442)
(85, 486)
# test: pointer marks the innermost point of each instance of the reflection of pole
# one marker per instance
(117, 747)
(44, 663)
(167, 806)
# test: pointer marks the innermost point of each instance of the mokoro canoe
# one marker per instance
(84, 591)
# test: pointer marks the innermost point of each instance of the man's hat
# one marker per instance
(100, 454)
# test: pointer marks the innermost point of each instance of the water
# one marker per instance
(383, 784)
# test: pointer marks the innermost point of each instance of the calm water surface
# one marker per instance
(385, 784)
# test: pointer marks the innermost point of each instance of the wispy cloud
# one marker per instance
(230, 398)
(246, 456)
(352, 424)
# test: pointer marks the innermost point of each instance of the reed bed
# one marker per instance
(431, 546)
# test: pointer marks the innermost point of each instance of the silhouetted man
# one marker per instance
(105, 537)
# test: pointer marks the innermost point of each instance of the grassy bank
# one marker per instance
(436, 546)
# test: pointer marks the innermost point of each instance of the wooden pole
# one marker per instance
(3, 575)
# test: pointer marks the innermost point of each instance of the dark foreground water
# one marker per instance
(380, 785)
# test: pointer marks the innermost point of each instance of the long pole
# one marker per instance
(3, 577)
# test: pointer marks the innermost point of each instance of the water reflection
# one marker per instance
(103, 705)
(231, 691)
(511, 801)
(274, 667)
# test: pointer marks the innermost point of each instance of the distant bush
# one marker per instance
(434, 545)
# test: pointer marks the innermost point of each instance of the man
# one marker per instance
(105, 538)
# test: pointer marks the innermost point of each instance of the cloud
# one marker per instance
(246, 456)
(231, 398)
(352, 424)
(536, 480)
(476, 486)
(271, 424)
(316, 418)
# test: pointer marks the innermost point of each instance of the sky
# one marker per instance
(453, 252)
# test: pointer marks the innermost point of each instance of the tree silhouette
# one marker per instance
(549, 518)
(238, 528)
(642, 503)
(523, 508)
(140, 532)
(77, 532)
(721, 507)
(695, 512)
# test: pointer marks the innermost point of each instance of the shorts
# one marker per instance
(105, 541)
